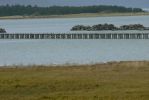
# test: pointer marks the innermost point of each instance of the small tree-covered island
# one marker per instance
(106, 26)
(2, 30)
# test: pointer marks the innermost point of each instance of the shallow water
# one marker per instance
(71, 51)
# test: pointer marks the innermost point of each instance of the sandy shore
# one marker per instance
(77, 15)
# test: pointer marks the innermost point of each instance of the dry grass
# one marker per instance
(111, 81)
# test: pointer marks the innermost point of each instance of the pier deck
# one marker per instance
(139, 35)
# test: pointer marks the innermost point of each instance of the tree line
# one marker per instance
(11, 10)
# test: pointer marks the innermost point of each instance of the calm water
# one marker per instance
(64, 25)
(69, 51)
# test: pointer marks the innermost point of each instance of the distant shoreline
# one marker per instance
(75, 64)
(82, 15)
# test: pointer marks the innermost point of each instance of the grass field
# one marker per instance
(110, 81)
(77, 15)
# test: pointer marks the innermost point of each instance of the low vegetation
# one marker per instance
(111, 81)
(109, 27)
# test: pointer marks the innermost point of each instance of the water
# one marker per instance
(64, 25)
(69, 51)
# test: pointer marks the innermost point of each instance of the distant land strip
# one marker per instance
(81, 15)
(22, 12)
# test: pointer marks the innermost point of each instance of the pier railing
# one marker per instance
(76, 36)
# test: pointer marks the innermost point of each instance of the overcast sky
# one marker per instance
(127, 3)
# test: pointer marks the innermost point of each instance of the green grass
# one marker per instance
(111, 81)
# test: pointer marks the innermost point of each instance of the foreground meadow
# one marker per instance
(110, 81)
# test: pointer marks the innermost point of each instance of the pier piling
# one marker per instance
(75, 36)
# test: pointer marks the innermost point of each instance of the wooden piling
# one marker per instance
(75, 36)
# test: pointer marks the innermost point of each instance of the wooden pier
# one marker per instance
(76, 36)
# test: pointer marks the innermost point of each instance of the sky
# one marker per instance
(127, 3)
